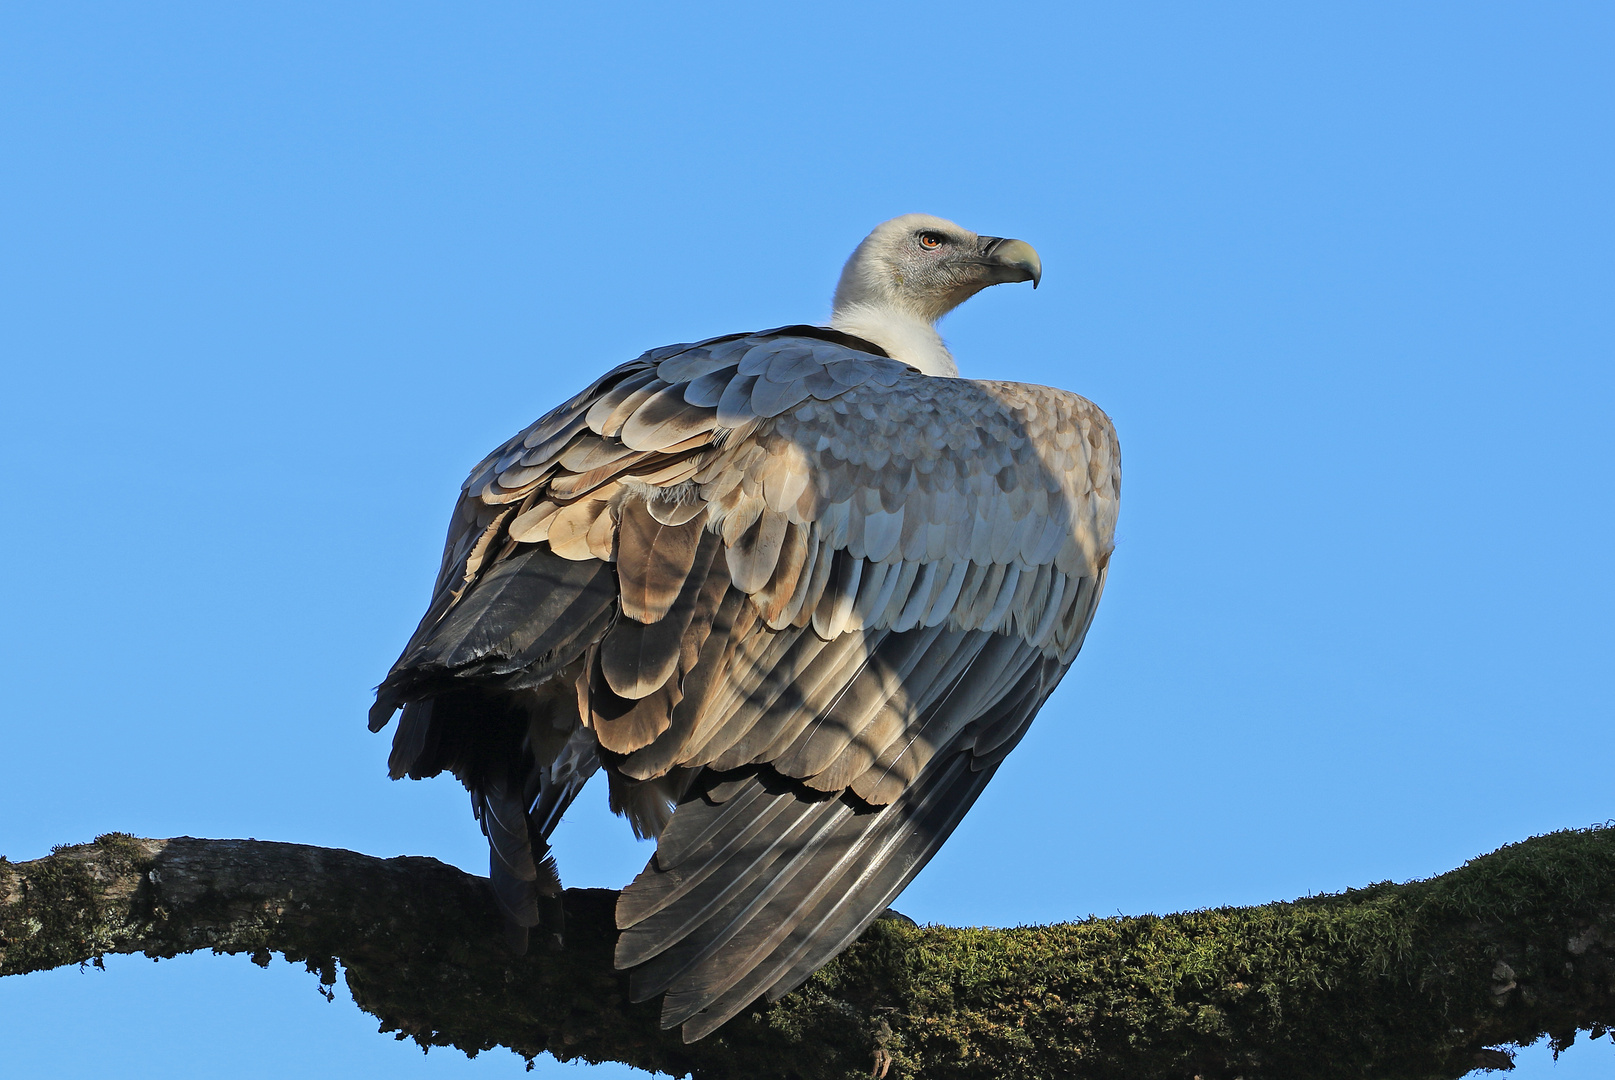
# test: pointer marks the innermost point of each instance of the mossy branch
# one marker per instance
(1391, 981)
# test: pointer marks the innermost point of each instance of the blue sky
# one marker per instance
(276, 277)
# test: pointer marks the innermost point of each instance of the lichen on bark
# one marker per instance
(1419, 981)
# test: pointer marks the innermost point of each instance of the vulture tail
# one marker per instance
(474, 682)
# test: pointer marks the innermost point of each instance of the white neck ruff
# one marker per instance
(904, 335)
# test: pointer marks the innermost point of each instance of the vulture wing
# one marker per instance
(790, 589)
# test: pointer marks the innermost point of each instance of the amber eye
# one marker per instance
(930, 241)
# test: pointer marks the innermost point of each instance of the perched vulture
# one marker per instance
(796, 592)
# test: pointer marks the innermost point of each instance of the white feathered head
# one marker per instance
(912, 270)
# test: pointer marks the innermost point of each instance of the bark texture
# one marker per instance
(1420, 980)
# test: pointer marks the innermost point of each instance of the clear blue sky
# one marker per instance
(275, 276)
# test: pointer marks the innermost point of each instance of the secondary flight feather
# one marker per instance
(796, 592)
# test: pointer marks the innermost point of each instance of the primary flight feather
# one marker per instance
(796, 592)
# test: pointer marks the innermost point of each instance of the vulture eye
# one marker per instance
(930, 241)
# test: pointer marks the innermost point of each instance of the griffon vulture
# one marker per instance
(797, 592)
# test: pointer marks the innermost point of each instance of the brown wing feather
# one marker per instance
(637, 657)
(703, 669)
(653, 560)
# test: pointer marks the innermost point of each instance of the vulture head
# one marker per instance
(914, 269)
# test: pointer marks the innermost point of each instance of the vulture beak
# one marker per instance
(1010, 260)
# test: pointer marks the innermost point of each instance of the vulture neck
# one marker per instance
(905, 335)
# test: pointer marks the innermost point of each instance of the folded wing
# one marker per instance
(789, 592)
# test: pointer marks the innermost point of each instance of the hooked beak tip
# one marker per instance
(1015, 258)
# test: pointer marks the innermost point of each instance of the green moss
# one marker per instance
(1387, 981)
(122, 851)
(57, 916)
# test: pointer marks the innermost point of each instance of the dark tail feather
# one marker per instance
(550, 914)
(410, 739)
(518, 879)
(381, 713)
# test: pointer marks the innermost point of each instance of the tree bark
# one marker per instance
(1421, 980)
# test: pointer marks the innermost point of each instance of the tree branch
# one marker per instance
(1392, 981)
